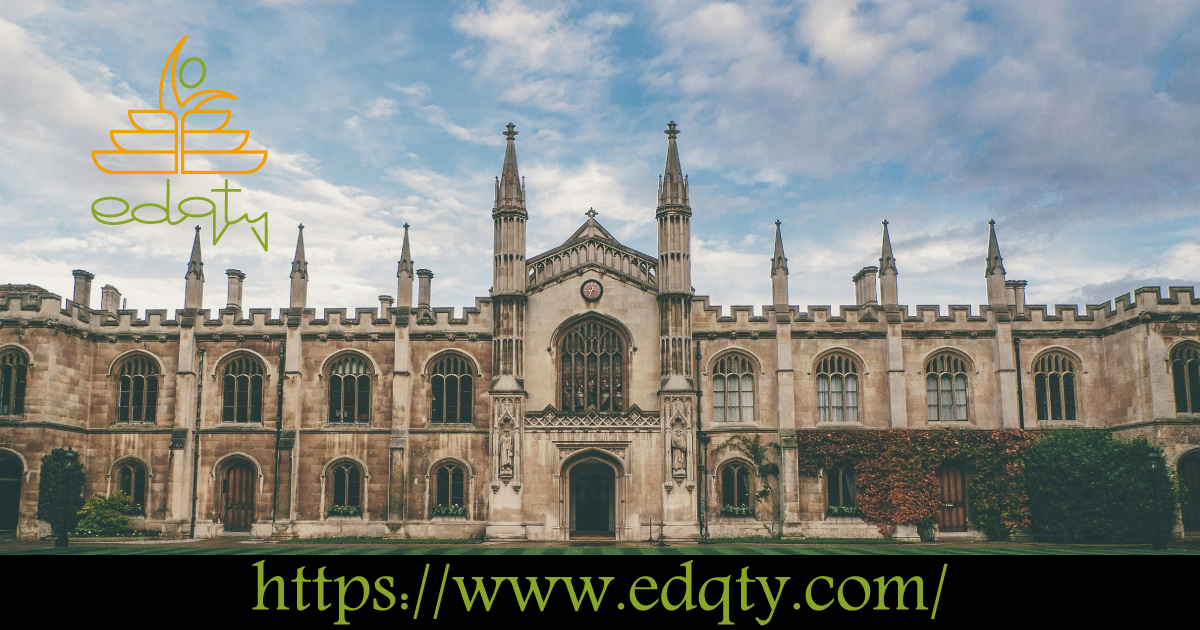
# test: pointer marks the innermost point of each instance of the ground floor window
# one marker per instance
(735, 491)
(842, 489)
(449, 491)
(131, 479)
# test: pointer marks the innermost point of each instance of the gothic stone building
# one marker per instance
(584, 397)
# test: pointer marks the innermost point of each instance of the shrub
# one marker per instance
(1084, 486)
(60, 491)
(102, 516)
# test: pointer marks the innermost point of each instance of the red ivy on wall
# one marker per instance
(897, 472)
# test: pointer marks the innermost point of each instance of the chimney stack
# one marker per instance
(385, 305)
(110, 300)
(83, 288)
(864, 286)
(424, 279)
(1016, 294)
(236, 278)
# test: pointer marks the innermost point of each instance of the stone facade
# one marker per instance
(519, 436)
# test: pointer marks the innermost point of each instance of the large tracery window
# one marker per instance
(350, 390)
(1185, 370)
(733, 389)
(946, 388)
(13, 367)
(837, 389)
(593, 368)
(452, 390)
(243, 388)
(137, 387)
(1054, 384)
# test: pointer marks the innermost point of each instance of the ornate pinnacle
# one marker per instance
(511, 133)
(591, 213)
(671, 131)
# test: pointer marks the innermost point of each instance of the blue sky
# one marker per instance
(1075, 125)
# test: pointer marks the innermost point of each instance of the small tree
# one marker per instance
(60, 492)
(759, 453)
(103, 515)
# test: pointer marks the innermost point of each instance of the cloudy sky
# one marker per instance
(1075, 125)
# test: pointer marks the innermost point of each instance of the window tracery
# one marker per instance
(946, 388)
(452, 386)
(242, 386)
(137, 389)
(14, 366)
(837, 388)
(592, 364)
(733, 389)
(1054, 386)
(350, 390)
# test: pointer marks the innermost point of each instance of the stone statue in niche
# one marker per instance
(506, 453)
(678, 451)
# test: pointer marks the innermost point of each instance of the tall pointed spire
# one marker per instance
(404, 277)
(510, 191)
(194, 278)
(779, 273)
(299, 273)
(994, 273)
(888, 285)
(673, 187)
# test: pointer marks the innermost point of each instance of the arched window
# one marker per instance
(350, 390)
(131, 479)
(137, 389)
(733, 389)
(449, 481)
(1054, 383)
(593, 368)
(13, 366)
(347, 490)
(243, 385)
(837, 389)
(842, 488)
(946, 388)
(453, 390)
(735, 490)
(1185, 369)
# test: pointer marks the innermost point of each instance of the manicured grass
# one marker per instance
(472, 548)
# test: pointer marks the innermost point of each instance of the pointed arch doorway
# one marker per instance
(11, 472)
(593, 496)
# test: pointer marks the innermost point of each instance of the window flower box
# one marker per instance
(738, 511)
(449, 510)
(843, 510)
(345, 510)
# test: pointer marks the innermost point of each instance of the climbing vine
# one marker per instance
(897, 473)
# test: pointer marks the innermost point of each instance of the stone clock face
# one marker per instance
(591, 290)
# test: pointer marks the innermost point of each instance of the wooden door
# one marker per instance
(952, 517)
(239, 497)
(1189, 478)
(591, 509)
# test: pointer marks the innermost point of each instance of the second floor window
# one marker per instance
(137, 387)
(946, 388)
(349, 390)
(453, 391)
(243, 388)
(13, 367)
(837, 389)
(1185, 371)
(733, 389)
(1054, 385)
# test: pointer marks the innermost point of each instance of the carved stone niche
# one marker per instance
(505, 448)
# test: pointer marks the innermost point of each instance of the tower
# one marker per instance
(404, 278)
(677, 394)
(779, 274)
(508, 345)
(994, 273)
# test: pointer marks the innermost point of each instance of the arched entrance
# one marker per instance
(1189, 479)
(592, 493)
(237, 496)
(11, 471)
(952, 517)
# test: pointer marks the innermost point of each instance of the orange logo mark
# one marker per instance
(209, 140)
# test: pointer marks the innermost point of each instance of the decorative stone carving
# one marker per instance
(506, 411)
(216, 338)
(373, 336)
(451, 336)
(161, 337)
(472, 336)
(619, 451)
(591, 420)
(678, 451)
(323, 336)
(754, 334)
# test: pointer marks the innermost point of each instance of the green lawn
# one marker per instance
(420, 548)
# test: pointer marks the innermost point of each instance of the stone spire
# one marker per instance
(299, 274)
(510, 189)
(404, 277)
(509, 274)
(674, 272)
(888, 286)
(994, 274)
(672, 188)
(779, 274)
(194, 285)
